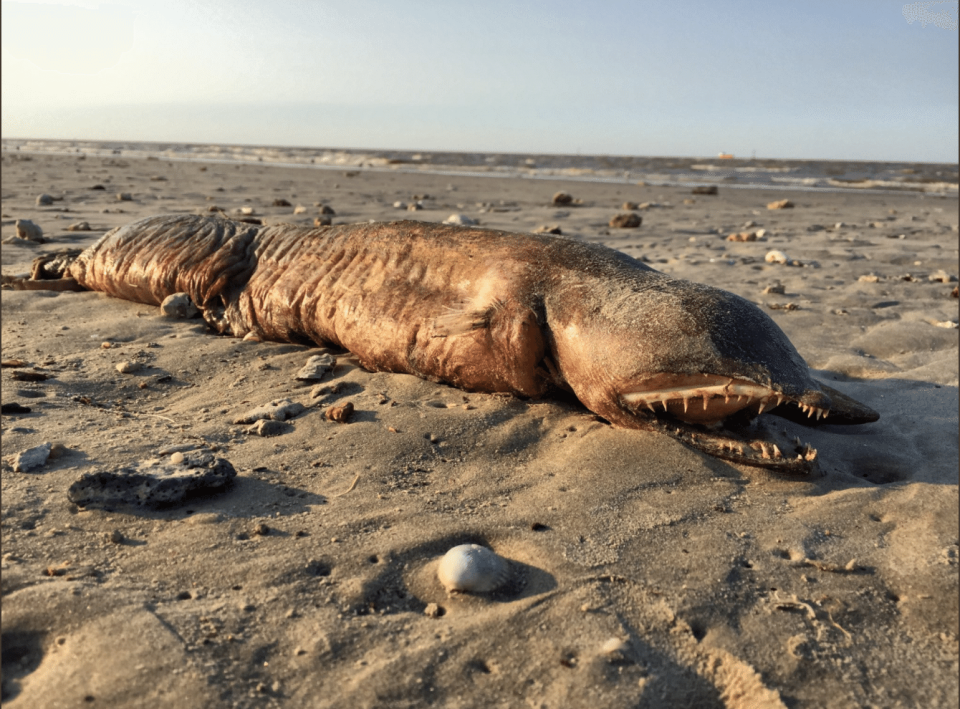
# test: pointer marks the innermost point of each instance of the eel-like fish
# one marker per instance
(490, 311)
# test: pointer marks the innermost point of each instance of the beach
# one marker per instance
(642, 572)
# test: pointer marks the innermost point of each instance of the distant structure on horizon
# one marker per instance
(725, 156)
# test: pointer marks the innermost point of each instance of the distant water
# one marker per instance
(941, 178)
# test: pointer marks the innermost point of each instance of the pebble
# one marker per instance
(129, 367)
(628, 220)
(776, 257)
(777, 288)
(79, 226)
(432, 610)
(414, 207)
(151, 483)
(178, 305)
(743, 236)
(322, 221)
(281, 202)
(627, 206)
(115, 537)
(460, 220)
(44, 200)
(869, 278)
(705, 189)
(341, 413)
(316, 367)
(32, 458)
(562, 198)
(14, 408)
(325, 209)
(29, 231)
(299, 209)
(780, 204)
(267, 429)
(399, 205)
(124, 196)
(277, 410)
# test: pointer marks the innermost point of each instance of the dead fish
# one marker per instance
(490, 311)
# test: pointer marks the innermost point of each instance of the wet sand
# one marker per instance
(643, 573)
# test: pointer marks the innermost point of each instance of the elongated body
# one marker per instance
(485, 311)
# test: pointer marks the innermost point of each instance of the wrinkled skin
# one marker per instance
(489, 311)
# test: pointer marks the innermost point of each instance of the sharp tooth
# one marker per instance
(650, 406)
(685, 402)
(706, 398)
(819, 414)
(810, 412)
(763, 404)
(664, 402)
(763, 448)
(779, 400)
(726, 398)
(826, 412)
(776, 452)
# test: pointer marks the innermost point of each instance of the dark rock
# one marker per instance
(281, 202)
(14, 408)
(628, 220)
(705, 189)
(153, 484)
(562, 198)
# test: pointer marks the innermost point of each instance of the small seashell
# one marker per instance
(471, 568)
(776, 257)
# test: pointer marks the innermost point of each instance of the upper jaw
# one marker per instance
(693, 409)
(710, 398)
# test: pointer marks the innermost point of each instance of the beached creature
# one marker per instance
(471, 568)
(489, 311)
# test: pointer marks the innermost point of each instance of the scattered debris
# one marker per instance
(316, 367)
(278, 410)
(32, 458)
(781, 204)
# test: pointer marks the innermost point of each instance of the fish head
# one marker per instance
(671, 354)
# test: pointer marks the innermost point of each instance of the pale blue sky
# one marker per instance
(838, 79)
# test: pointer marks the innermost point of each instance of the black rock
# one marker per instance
(153, 484)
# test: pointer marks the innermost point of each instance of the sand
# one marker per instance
(643, 573)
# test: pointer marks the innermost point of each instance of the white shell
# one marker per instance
(472, 568)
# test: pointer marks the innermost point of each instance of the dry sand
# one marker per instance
(644, 573)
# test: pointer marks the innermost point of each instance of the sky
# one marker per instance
(838, 79)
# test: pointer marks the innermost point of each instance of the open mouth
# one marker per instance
(715, 415)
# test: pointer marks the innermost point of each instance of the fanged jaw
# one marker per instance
(708, 399)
